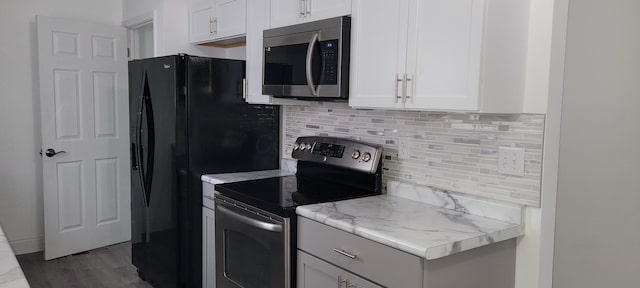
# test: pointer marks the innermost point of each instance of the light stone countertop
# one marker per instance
(243, 176)
(11, 275)
(429, 227)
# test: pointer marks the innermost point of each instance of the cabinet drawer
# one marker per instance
(374, 261)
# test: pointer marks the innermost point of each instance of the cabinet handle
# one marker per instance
(340, 281)
(210, 25)
(303, 8)
(396, 80)
(344, 253)
(350, 285)
(308, 2)
(404, 87)
(244, 88)
(215, 25)
(412, 90)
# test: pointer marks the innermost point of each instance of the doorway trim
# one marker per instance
(138, 21)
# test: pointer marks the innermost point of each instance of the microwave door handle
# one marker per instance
(312, 44)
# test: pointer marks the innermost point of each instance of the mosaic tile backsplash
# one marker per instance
(450, 151)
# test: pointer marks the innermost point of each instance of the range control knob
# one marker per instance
(296, 146)
(308, 146)
(366, 157)
(355, 154)
(302, 146)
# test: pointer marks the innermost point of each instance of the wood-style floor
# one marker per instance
(104, 267)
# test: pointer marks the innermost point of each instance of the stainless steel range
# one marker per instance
(256, 222)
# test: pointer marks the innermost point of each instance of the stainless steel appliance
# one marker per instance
(188, 118)
(256, 220)
(308, 61)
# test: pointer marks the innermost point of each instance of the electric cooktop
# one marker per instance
(329, 169)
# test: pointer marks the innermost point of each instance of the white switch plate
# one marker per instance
(511, 161)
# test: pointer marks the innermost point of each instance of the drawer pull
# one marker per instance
(342, 252)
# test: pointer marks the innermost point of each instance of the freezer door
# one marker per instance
(154, 172)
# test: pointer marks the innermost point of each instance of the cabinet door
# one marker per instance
(230, 19)
(201, 23)
(257, 21)
(315, 273)
(324, 9)
(208, 248)
(287, 12)
(378, 53)
(444, 54)
(357, 282)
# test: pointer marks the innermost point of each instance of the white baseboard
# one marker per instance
(27, 246)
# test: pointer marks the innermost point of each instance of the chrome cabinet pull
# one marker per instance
(350, 285)
(303, 8)
(308, 4)
(210, 25)
(244, 88)
(396, 80)
(344, 253)
(215, 25)
(409, 79)
(341, 281)
(404, 88)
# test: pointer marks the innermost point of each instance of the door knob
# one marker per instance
(51, 152)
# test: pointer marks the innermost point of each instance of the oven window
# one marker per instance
(286, 65)
(247, 261)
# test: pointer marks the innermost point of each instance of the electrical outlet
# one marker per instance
(403, 148)
(511, 161)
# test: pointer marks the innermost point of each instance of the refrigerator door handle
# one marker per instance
(140, 156)
(151, 136)
(134, 157)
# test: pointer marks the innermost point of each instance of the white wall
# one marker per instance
(21, 208)
(597, 238)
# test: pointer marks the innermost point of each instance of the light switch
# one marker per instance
(511, 161)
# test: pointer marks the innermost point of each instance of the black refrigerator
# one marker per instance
(188, 117)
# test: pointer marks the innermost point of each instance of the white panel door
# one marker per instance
(84, 112)
(230, 19)
(444, 54)
(378, 53)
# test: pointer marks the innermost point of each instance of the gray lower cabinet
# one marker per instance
(329, 257)
(316, 273)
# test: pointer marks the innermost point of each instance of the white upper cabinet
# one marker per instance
(378, 53)
(217, 21)
(466, 55)
(289, 12)
(201, 23)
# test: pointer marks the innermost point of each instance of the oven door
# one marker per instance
(252, 247)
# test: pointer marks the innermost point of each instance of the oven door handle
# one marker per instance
(250, 221)
(312, 44)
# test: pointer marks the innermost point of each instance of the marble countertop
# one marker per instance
(243, 176)
(430, 231)
(11, 275)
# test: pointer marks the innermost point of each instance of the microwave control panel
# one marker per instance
(329, 50)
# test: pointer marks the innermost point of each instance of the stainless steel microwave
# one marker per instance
(308, 61)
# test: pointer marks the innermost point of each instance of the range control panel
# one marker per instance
(340, 152)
